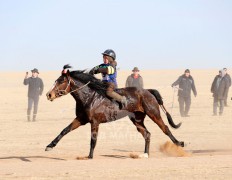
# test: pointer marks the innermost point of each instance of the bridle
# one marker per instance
(65, 92)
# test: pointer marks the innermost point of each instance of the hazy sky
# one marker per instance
(150, 34)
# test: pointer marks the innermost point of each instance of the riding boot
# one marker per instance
(34, 117)
(119, 98)
(28, 115)
(111, 93)
(124, 101)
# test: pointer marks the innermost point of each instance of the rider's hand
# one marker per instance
(94, 70)
(91, 72)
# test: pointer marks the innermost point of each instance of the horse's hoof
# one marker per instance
(145, 155)
(90, 157)
(48, 148)
(182, 144)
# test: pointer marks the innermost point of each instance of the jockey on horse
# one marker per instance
(109, 75)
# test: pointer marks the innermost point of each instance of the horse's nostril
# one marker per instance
(49, 95)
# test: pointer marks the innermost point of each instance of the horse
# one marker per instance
(94, 107)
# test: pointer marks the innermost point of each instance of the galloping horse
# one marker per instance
(94, 107)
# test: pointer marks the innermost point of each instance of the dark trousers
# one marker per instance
(31, 101)
(184, 105)
(215, 105)
(225, 101)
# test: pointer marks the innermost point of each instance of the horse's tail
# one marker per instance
(158, 97)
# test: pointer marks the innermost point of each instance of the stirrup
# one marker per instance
(124, 102)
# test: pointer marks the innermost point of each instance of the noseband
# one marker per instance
(64, 92)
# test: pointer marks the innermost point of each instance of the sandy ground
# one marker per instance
(22, 143)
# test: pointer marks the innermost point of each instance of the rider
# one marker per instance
(109, 75)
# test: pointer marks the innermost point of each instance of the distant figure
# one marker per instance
(134, 80)
(218, 88)
(228, 80)
(186, 84)
(35, 89)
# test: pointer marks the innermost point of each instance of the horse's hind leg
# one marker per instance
(138, 122)
(94, 133)
(159, 121)
(75, 124)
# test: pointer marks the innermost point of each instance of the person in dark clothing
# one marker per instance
(135, 80)
(228, 80)
(186, 84)
(109, 74)
(219, 89)
(35, 89)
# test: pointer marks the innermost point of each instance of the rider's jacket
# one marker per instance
(108, 71)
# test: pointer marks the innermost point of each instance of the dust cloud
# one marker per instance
(82, 158)
(170, 149)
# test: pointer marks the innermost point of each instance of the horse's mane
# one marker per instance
(95, 84)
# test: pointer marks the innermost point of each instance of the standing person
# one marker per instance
(35, 89)
(109, 75)
(135, 80)
(219, 89)
(186, 84)
(228, 80)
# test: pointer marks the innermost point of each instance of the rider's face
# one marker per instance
(105, 59)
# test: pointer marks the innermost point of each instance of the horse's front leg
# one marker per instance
(75, 124)
(94, 133)
(139, 123)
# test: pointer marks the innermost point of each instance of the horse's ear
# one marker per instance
(65, 72)
(68, 72)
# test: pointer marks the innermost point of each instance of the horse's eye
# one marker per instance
(61, 80)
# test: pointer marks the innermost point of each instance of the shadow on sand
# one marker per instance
(121, 150)
(116, 156)
(211, 151)
(27, 158)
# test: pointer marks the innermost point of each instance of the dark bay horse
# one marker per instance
(94, 107)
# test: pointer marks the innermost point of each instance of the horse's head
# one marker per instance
(61, 86)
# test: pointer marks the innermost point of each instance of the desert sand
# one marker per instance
(22, 144)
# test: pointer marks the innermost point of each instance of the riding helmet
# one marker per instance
(110, 52)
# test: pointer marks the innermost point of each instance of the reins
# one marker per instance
(79, 87)
(64, 92)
